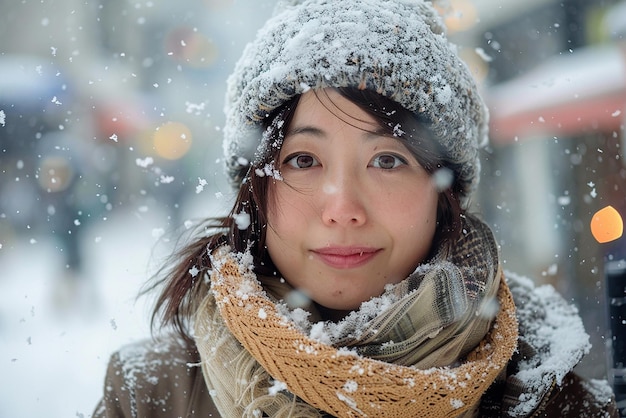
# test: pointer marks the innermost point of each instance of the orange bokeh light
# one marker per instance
(172, 140)
(607, 225)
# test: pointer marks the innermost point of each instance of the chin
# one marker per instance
(348, 305)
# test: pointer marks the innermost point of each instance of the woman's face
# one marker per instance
(354, 211)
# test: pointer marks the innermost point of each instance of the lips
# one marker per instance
(346, 257)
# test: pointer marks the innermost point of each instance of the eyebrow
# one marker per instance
(319, 132)
(307, 130)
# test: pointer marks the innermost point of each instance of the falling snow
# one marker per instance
(242, 220)
(145, 162)
(202, 183)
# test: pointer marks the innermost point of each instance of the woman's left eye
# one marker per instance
(388, 161)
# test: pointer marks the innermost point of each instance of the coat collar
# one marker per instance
(552, 341)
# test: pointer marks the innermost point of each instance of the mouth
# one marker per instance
(346, 257)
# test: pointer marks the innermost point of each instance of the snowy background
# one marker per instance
(106, 72)
(86, 85)
(57, 332)
(54, 351)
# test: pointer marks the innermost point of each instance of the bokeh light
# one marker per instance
(607, 225)
(190, 47)
(460, 15)
(55, 173)
(172, 140)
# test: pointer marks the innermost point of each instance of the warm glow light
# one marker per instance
(607, 225)
(191, 47)
(55, 174)
(476, 64)
(460, 15)
(172, 140)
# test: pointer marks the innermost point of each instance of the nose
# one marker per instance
(343, 201)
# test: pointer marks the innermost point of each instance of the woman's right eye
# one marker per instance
(301, 161)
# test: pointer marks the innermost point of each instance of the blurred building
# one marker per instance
(112, 105)
(554, 78)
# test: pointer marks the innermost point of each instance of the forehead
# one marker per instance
(324, 106)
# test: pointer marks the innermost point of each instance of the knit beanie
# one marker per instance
(397, 48)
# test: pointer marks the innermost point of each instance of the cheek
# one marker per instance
(287, 208)
(428, 213)
(413, 206)
(417, 218)
(275, 206)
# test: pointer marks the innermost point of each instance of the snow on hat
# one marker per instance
(397, 48)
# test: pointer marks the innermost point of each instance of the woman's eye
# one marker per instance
(388, 161)
(301, 161)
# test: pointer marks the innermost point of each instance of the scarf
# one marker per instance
(429, 346)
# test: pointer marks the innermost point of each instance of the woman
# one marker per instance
(349, 278)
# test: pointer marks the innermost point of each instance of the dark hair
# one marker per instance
(182, 291)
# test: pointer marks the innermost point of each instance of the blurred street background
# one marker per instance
(110, 144)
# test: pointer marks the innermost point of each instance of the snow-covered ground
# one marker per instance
(53, 353)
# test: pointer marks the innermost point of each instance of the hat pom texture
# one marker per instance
(397, 48)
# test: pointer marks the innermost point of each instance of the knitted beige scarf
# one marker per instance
(255, 357)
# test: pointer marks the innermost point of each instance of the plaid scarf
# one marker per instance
(432, 318)
(439, 317)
